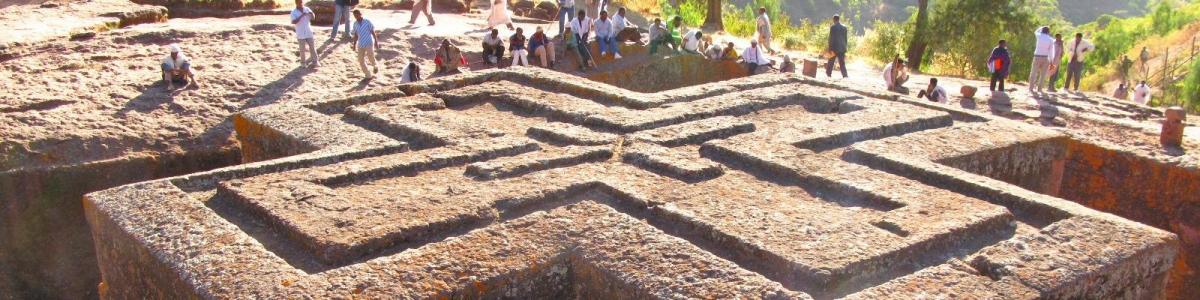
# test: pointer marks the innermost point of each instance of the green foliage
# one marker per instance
(1120, 35)
(693, 12)
(961, 45)
(1191, 87)
(885, 40)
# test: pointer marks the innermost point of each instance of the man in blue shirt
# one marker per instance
(365, 43)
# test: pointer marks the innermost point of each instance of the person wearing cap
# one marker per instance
(365, 43)
(787, 66)
(713, 52)
(302, 17)
(175, 65)
(542, 47)
(753, 57)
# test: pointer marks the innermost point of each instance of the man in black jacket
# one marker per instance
(837, 45)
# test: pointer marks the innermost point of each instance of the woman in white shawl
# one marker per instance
(500, 14)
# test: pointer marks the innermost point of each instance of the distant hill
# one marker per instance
(1084, 11)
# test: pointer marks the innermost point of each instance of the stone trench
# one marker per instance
(516, 183)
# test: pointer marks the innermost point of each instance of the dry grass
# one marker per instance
(646, 7)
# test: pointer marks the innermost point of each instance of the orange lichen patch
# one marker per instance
(1140, 189)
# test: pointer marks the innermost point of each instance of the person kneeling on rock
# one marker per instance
(177, 66)
(448, 59)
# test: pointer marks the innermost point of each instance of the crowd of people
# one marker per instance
(577, 30)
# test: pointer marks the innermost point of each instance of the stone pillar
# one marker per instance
(810, 68)
(968, 91)
(1172, 127)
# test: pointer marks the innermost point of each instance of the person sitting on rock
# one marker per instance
(1122, 92)
(660, 35)
(411, 73)
(787, 66)
(582, 28)
(625, 31)
(895, 75)
(516, 42)
(934, 92)
(448, 59)
(753, 58)
(730, 53)
(692, 41)
(542, 47)
(493, 47)
(606, 37)
(713, 52)
(177, 65)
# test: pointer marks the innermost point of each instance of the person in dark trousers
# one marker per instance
(837, 45)
(998, 63)
(1056, 63)
(934, 92)
(493, 47)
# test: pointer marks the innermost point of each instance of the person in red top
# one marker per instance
(448, 58)
(999, 63)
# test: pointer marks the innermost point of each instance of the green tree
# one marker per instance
(917, 43)
(1191, 87)
(962, 33)
(712, 21)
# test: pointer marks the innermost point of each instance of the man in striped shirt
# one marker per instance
(365, 43)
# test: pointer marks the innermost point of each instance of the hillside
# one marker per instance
(1076, 11)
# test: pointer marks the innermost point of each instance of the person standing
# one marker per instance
(1078, 48)
(606, 37)
(582, 28)
(493, 47)
(754, 58)
(341, 14)
(838, 45)
(1124, 67)
(516, 42)
(422, 6)
(999, 63)
(763, 29)
(500, 15)
(1145, 57)
(1141, 93)
(1041, 59)
(1056, 62)
(302, 18)
(565, 9)
(366, 43)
